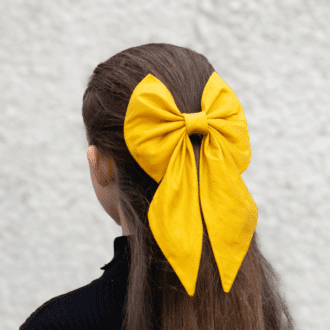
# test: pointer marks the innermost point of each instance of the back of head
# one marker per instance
(156, 298)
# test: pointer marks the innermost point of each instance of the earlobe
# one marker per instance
(99, 174)
(101, 179)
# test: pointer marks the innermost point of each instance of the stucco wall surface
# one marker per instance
(55, 235)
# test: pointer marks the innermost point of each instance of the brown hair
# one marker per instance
(156, 299)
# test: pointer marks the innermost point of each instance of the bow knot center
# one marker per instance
(196, 123)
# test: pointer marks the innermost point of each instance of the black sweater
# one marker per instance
(97, 305)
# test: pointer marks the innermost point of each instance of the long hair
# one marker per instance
(156, 299)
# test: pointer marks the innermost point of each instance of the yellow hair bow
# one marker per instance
(157, 136)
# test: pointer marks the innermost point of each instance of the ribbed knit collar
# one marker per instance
(120, 245)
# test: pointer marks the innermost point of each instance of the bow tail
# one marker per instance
(229, 210)
(174, 215)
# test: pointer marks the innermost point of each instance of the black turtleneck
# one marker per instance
(97, 305)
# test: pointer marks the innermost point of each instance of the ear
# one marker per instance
(91, 153)
(103, 168)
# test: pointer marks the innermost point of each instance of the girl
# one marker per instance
(139, 288)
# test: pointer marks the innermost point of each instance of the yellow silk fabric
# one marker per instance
(157, 136)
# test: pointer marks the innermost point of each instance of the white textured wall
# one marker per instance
(54, 234)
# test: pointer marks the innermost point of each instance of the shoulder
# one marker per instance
(96, 305)
(88, 307)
